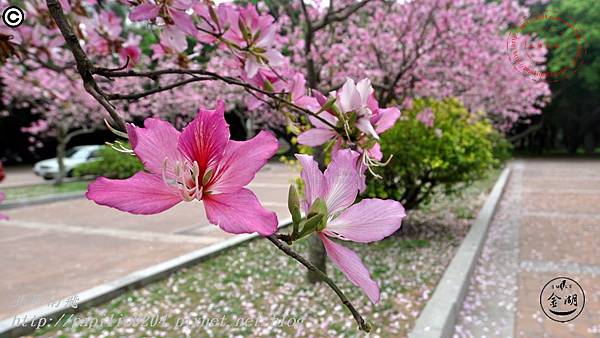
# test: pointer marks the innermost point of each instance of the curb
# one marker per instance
(28, 321)
(439, 316)
(25, 202)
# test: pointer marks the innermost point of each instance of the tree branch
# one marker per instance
(362, 323)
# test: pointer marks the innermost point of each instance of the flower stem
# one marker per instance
(362, 323)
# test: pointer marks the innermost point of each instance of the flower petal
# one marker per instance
(349, 97)
(154, 144)
(351, 265)
(325, 116)
(145, 11)
(314, 181)
(205, 138)
(142, 194)
(341, 178)
(386, 119)
(367, 221)
(239, 212)
(183, 22)
(241, 161)
(365, 90)
(316, 136)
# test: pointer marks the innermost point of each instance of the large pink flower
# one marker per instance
(367, 221)
(198, 163)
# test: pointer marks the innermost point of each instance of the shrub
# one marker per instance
(111, 164)
(457, 149)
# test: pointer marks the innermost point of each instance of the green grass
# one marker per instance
(16, 193)
(254, 280)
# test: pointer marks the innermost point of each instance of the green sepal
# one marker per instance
(294, 208)
(310, 225)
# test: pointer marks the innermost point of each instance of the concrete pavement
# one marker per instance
(547, 226)
(50, 252)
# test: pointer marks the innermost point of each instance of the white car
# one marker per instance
(48, 169)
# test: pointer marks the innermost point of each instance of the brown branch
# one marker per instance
(136, 96)
(84, 66)
(362, 323)
(339, 15)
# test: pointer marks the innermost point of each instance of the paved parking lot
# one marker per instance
(51, 251)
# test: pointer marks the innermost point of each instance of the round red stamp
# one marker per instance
(535, 38)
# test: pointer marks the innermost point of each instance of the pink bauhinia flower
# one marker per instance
(367, 221)
(255, 34)
(171, 10)
(351, 98)
(198, 163)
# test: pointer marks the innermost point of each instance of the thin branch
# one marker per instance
(84, 66)
(136, 96)
(153, 74)
(362, 323)
(339, 15)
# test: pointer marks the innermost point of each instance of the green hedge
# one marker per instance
(459, 148)
(111, 164)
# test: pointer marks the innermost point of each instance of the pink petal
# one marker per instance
(375, 152)
(351, 265)
(142, 194)
(173, 38)
(183, 22)
(364, 124)
(316, 136)
(341, 178)
(154, 144)
(205, 138)
(367, 221)
(239, 212)
(314, 181)
(349, 97)
(325, 116)
(365, 90)
(386, 119)
(251, 67)
(145, 11)
(241, 162)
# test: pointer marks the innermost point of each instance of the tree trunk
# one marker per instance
(316, 251)
(60, 157)
(317, 257)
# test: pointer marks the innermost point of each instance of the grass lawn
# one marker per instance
(43, 190)
(254, 290)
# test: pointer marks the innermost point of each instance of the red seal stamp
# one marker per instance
(528, 44)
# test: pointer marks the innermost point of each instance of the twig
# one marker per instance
(362, 323)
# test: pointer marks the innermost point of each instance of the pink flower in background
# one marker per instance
(255, 33)
(426, 116)
(174, 10)
(366, 221)
(131, 49)
(2, 198)
(198, 163)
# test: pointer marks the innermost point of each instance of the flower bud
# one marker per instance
(294, 206)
